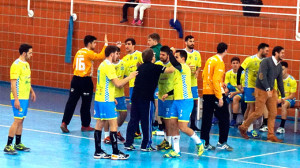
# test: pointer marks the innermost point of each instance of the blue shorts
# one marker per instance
(105, 110)
(121, 106)
(156, 94)
(249, 95)
(164, 108)
(231, 99)
(20, 114)
(182, 109)
(291, 101)
(195, 92)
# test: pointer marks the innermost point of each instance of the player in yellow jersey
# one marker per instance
(82, 84)
(165, 84)
(290, 89)
(194, 61)
(182, 105)
(107, 81)
(20, 76)
(214, 99)
(251, 66)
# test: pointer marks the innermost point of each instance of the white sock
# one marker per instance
(176, 143)
(196, 139)
(169, 139)
(106, 134)
(165, 136)
(250, 128)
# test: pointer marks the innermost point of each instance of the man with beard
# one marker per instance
(265, 93)
(82, 84)
(194, 61)
(251, 66)
(20, 76)
(107, 81)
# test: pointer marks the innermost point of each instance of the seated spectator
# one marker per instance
(144, 4)
(125, 9)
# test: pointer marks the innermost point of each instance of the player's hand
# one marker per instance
(33, 96)
(196, 74)
(17, 104)
(105, 39)
(220, 102)
(116, 102)
(279, 101)
(119, 44)
(240, 87)
(163, 98)
(193, 69)
(226, 91)
(133, 74)
(270, 93)
(173, 49)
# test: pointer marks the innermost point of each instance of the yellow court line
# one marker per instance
(47, 111)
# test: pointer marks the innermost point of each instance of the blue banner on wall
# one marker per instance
(69, 41)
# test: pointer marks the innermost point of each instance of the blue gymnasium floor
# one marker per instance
(51, 148)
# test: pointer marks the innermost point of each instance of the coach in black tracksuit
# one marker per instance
(142, 108)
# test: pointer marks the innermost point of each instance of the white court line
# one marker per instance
(234, 160)
(272, 153)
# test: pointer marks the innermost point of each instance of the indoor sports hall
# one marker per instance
(56, 29)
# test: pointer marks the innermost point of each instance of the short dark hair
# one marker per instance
(285, 64)
(222, 47)
(24, 48)
(182, 53)
(188, 37)
(89, 39)
(110, 49)
(155, 36)
(165, 49)
(130, 39)
(118, 49)
(277, 49)
(262, 46)
(235, 59)
(148, 55)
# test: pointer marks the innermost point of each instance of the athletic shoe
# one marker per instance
(120, 156)
(137, 136)
(107, 140)
(164, 145)
(233, 123)
(64, 128)
(123, 20)
(263, 128)
(209, 147)
(9, 149)
(139, 23)
(120, 137)
(102, 155)
(149, 149)
(172, 154)
(200, 148)
(215, 121)
(129, 148)
(253, 134)
(280, 130)
(83, 129)
(274, 139)
(21, 147)
(224, 146)
(134, 21)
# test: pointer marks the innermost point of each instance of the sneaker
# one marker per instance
(124, 20)
(253, 134)
(129, 148)
(120, 137)
(209, 147)
(139, 23)
(107, 140)
(164, 145)
(264, 128)
(120, 156)
(21, 147)
(215, 121)
(233, 123)
(83, 129)
(224, 146)
(64, 128)
(102, 155)
(137, 136)
(134, 21)
(280, 130)
(172, 154)
(9, 149)
(149, 149)
(200, 148)
(158, 133)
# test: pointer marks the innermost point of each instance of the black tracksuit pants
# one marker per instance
(209, 108)
(125, 8)
(80, 87)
